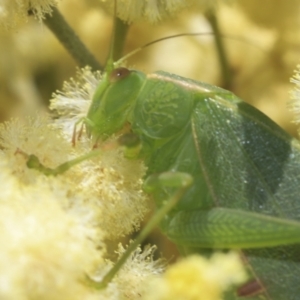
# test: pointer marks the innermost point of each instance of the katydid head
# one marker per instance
(115, 96)
(113, 102)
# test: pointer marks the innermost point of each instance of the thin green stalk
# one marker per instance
(65, 34)
(118, 39)
(223, 60)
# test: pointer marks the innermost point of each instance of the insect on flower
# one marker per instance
(222, 174)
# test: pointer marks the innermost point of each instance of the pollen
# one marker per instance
(294, 104)
(198, 278)
(131, 281)
(153, 11)
(46, 249)
(72, 103)
(15, 12)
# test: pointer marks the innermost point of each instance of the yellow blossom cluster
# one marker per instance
(153, 10)
(53, 228)
(294, 104)
(198, 278)
(109, 184)
(45, 248)
(15, 12)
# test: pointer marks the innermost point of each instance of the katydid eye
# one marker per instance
(118, 74)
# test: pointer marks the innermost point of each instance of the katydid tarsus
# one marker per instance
(232, 172)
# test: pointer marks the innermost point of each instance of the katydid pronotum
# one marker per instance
(222, 173)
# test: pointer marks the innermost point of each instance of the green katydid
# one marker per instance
(244, 168)
(239, 159)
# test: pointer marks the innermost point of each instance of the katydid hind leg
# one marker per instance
(222, 228)
(262, 264)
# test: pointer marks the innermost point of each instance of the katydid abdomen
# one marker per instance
(239, 159)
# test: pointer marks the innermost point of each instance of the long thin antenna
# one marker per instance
(236, 38)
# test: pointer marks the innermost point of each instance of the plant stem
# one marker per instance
(65, 34)
(222, 55)
(118, 38)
